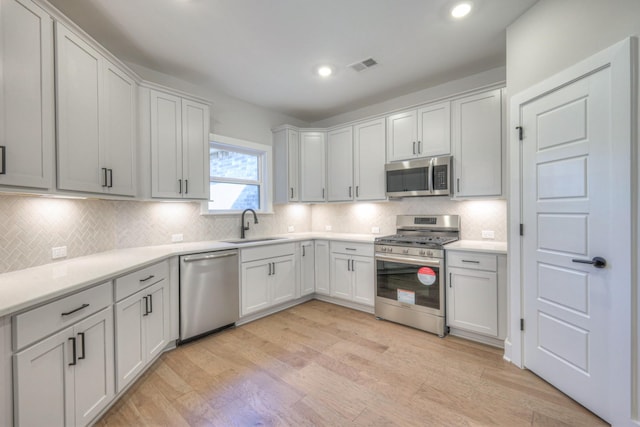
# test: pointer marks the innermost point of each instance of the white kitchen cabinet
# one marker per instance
(425, 132)
(286, 150)
(340, 164)
(369, 157)
(477, 145)
(313, 162)
(179, 146)
(268, 277)
(322, 267)
(142, 326)
(67, 378)
(352, 270)
(476, 295)
(6, 380)
(307, 268)
(27, 111)
(96, 118)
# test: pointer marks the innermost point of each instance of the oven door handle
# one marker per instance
(409, 260)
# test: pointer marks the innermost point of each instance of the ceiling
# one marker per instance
(265, 51)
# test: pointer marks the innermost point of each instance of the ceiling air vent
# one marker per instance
(363, 65)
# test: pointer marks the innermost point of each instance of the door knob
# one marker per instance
(597, 262)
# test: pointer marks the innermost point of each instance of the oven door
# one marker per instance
(411, 282)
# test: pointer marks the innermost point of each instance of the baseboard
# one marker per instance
(344, 303)
(494, 342)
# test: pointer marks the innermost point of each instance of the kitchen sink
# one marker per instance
(260, 239)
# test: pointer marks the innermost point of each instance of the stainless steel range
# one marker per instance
(410, 271)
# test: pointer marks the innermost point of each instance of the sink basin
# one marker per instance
(260, 239)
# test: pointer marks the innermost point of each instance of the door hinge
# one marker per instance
(522, 229)
(519, 129)
(522, 324)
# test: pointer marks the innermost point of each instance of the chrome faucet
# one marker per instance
(242, 227)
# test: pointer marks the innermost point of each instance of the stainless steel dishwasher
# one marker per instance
(209, 293)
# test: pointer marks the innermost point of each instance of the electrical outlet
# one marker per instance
(58, 252)
(291, 229)
(488, 234)
(177, 237)
(327, 228)
(375, 230)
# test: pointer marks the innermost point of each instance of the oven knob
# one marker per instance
(422, 253)
(405, 251)
(430, 253)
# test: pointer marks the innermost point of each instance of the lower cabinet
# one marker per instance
(322, 276)
(352, 276)
(476, 295)
(142, 330)
(66, 379)
(307, 277)
(268, 277)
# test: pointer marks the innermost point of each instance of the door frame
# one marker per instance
(621, 60)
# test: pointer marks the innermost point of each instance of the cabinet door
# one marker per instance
(166, 145)
(130, 352)
(44, 383)
(283, 280)
(286, 158)
(434, 130)
(341, 276)
(477, 135)
(26, 94)
(118, 125)
(307, 268)
(322, 269)
(312, 166)
(363, 280)
(472, 301)
(195, 150)
(340, 165)
(78, 76)
(255, 286)
(293, 163)
(402, 136)
(156, 319)
(369, 159)
(94, 388)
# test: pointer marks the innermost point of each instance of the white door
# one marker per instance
(322, 268)
(472, 300)
(341, 276)
(307, 268)
(255, 286)
(166, 145)
(195, 150)
(340, 164)
(130, 353)
(363, 280)
(369, 154)
(312, 166)
(293, 161)
(283, 280)
(571, 215)
(402, 136)
(434, 130)
(156, 321)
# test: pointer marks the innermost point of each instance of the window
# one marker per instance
(238, 176)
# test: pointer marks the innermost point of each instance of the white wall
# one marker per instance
(229, 116)
(553, 35)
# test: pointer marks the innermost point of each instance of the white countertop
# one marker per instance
(24, 288)
(478, 246)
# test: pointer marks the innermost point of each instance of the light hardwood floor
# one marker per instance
(318, 364)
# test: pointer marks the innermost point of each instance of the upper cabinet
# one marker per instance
(286, 149)
(179, 135)
(313, 148)
(424, 132)
(369, 159)
(27, 113)
(340, 164)
(96, 120)
(477, 145)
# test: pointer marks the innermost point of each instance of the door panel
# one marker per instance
(255, 286)
(283, 280)
(195, 150)
(156, 325)
(129, 335)
(166, 144)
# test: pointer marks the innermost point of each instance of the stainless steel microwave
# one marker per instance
(419, 177)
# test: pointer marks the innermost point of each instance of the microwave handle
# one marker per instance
(431, 175)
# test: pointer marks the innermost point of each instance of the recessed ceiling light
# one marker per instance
(325, 71)
(461, 10)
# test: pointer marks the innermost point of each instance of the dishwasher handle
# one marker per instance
(213, 255)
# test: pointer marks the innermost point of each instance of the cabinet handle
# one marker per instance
(414, 147)
(110, 178)
(186, 186)
(419, 147)
(3, 160)
(351, 249)
(147, 278)
(291, 192)
(146, 306)
(179, 186)
(75, 310)
(357, 191)
(269, 270)
(323, 193)
(303, 253)
(104, 177)
(349, 191)
(81, 335)
(471, 261)
(73, 351)
(274, 268)
(458, 185)
(150, 303)
(449, 279)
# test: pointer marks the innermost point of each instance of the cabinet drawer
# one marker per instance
(365, 249)
(267, 251)
(475, 261)
(49, 318)
(133, 282)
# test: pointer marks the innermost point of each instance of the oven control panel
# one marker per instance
(414, 252)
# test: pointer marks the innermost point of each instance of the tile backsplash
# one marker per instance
(31, 226)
